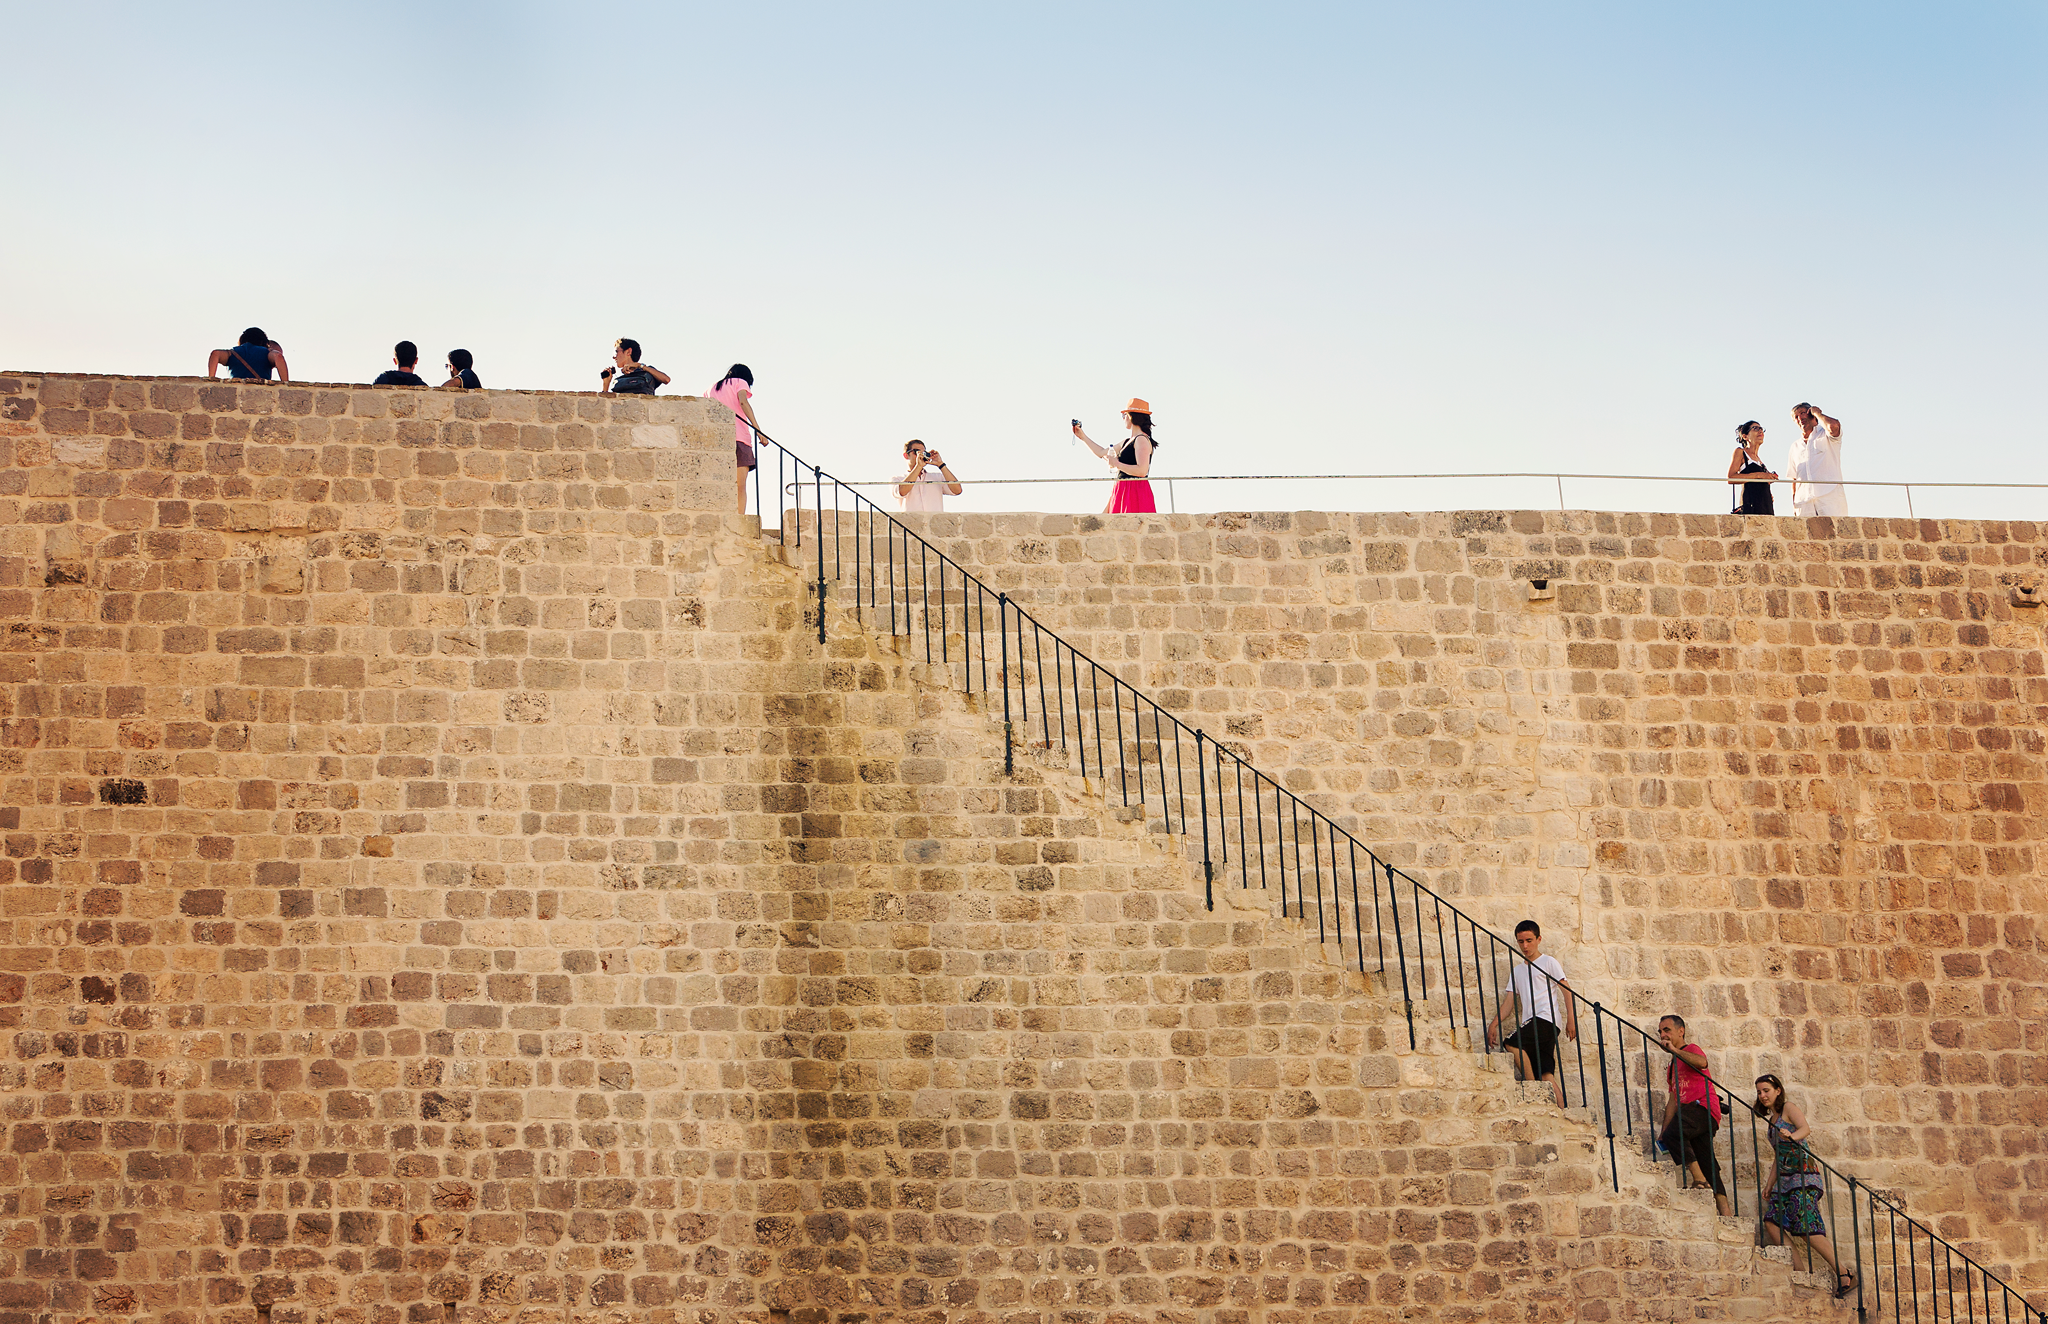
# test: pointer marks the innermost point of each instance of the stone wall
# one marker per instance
(444, 878)
(390, 797)
(1783, 776)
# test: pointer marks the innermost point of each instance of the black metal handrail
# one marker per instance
(1100, 719)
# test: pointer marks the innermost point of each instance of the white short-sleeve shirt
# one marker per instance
(927, 492)
(1816, 465)
(1534, 992)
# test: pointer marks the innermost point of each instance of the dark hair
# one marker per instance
(406, 353)
(461, 360)
(254, 336)
(913, 442)
(1674, 1018)
(1743, 431)
(739, 370)
(1758, 1106)
(630, 346)
(1143, 422)
(1528, 926)
(1803, 405)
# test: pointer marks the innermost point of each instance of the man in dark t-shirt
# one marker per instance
(405, 354)
(630, 376)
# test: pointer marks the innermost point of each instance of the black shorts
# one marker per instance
(1538, 1041)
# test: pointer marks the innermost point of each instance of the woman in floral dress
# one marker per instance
(1793, 1206)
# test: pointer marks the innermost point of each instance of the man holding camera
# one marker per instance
(632, 376)
(927, 482)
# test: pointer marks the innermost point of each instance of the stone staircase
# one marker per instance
(1650, 1250)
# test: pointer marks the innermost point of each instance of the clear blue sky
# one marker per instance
(1319, 238)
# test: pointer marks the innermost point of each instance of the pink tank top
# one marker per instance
(727, 393)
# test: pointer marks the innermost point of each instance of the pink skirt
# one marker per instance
(1133, 496)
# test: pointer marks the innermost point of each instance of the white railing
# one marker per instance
(1172, 499)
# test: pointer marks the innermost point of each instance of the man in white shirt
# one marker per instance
(928, 482)
(1542, 1001)
(1816, 464)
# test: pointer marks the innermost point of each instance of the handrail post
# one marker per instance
(1401, 955)
(1202, 786)
(1855, 1236)
(818, 505)
(1003, 636)
(1606, 1104)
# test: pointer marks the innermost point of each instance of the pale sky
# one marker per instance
(1356, 238)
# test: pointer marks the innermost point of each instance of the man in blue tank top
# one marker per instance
(252, 360)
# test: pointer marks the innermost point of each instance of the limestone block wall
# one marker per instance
(442, 877)
(1783, 776)
(389, 798)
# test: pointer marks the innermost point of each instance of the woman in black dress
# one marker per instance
(1748, 473)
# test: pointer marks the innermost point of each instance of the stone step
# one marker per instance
(1445, 1057)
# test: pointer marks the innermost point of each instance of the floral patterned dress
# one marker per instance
(1795, 1195)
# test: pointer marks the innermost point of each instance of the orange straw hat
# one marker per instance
(1137, 406)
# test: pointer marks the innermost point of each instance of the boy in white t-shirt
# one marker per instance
(1538, 993)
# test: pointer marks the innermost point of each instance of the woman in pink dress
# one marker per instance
(1132, 494)
(736, 392)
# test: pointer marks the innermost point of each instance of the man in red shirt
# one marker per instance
(1692, 1110)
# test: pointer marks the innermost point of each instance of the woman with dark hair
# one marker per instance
(251, 360)
(1748, 472)
(735, 391)
(1132, 494)
(462, 372)
(1793, 1207)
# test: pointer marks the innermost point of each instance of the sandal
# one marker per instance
(1845, 1284)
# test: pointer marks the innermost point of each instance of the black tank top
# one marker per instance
(1756, 497)
(1129, 454)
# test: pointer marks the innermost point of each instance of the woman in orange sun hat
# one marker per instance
(1132, 494)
